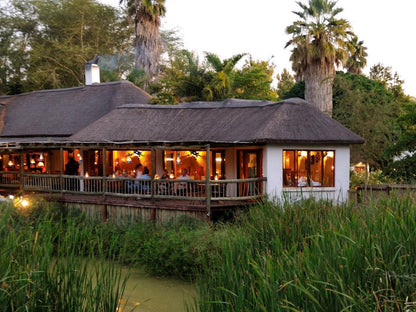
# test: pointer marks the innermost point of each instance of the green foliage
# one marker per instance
(52, 261)
(45, 44)
(368, 109)
(297, 90)
(403, 170)
(184, 78)
(310, 256)
(285, 84)
(369, 178)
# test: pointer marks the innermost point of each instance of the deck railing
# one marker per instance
(232, 189)
(9, 179)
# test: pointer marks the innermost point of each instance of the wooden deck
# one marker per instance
(119, 209)
(156, 200)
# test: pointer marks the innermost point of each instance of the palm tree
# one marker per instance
(146, 14)
(357, 56)
(320, 44)
(221, 81)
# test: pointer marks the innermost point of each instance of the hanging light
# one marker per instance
(10, 163)
(41, 157)
(41, 164)
(178, 159)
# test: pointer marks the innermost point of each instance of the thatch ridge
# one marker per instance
(229, 122)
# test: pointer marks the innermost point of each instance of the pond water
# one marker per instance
(146, 293)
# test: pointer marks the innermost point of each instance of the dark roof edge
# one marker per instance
(228, 103)
(73, 88)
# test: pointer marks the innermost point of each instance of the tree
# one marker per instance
(285, 84)
(146, 15)
(357, 56)
(320, 43)
(221, 80)
(184, 78)
(49, 41)
(403, 169)
(253, 81)
(367, 108)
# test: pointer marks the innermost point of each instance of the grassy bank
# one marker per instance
(310, 256)
(316, 257)
(51, 262)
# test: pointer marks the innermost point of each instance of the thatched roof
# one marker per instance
(57, 114)
(229, 122)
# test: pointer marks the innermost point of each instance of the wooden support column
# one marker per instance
(208, 184)
(153, 185)
(104, 171)
(22, 170)
(61, 167)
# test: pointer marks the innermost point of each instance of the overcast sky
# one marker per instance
(229, 27)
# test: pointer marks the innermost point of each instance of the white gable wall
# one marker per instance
(273, 170)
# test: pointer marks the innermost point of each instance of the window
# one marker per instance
(308, 168)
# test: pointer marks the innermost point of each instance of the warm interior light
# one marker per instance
(32, 161)
(41, 164)
(10, 163)
(303, 153)
(86, 174)
(178, 159)
(330, 154)
(41, 157)
(218, 159)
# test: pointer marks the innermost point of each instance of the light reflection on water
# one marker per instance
(145, 293)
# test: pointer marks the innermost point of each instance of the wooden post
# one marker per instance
(152, 168)
(61, 167)
(22, 170)
(208, 184)
(104, 173)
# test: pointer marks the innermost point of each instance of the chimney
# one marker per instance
(92, 71)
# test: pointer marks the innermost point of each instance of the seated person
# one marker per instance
(181, 187)
(302, 181)
(145, 185)
(164, 187)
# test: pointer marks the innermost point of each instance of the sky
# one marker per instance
(230, 27)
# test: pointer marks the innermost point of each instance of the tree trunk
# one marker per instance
(147, 43)
(318, 86)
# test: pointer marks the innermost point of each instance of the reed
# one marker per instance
(49, 262)
(314, 256)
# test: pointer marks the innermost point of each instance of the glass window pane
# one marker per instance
(315, 160)
(328, 168)
(302, 177)
(288, 168)
(308, 168)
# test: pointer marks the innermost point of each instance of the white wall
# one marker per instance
(273, 170)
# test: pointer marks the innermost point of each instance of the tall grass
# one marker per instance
(313, 256)
(51, 261)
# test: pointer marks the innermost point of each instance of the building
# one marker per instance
(234, 151)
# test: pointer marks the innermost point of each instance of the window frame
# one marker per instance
(298, 165)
